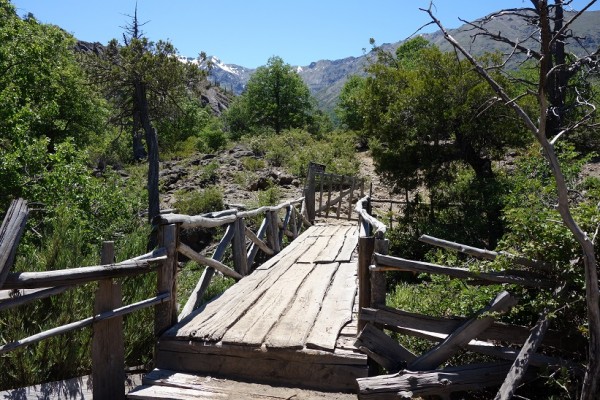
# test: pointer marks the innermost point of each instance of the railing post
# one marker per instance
(274, 220)
(378, 282)
(108, 355)
(166, 313)
(240, 253)
(366, 246)
(309, 193)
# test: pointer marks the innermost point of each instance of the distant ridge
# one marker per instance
(325, 78)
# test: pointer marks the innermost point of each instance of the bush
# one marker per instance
(199, 202)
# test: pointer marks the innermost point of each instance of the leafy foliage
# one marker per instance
(275, 99)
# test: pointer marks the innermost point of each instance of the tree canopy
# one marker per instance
(276, 98)
(428, 114)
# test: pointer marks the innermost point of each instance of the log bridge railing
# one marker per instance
(328, 193)
(108, 376)
(419, 375)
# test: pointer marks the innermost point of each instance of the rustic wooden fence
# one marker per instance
(327, 194)
(107, 345)
(419, 375)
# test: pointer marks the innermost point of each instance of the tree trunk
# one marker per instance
(152, 144)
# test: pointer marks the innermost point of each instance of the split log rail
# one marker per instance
(420, 375)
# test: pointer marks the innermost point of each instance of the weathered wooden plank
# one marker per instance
(389, 263)
(349, 246)
(294, 326)
(219, 315)
(384, 350)
(25, 296)
(483, 253)
(463, 334)
(11, 231)
(336, 310)
(320, 376)
(260, 234)
(312, 253)
(81, 275)
(255, 324)
(519, 366)
(330, 252)
(410, 384)
(234, 390)
(411, 323)
(145, 392)
(350, 197)
(79, 388)
(315, 356)
(219, 266)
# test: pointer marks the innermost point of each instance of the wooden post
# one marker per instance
(322, 177)
(378, 284)
(294, 222)
(339, 204)
(166, 313)
(274, 221)
(108, 355)
(286, 222)
(366, 246)
(330, 189)
(240, 254)
(351, 196)
(11, 231)
(309, 194)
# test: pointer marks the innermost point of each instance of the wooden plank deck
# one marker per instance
(291, 322)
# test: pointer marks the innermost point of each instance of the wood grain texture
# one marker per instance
(294, 326)
(336, 310)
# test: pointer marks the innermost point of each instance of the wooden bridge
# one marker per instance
(307, 317)
(291, 322)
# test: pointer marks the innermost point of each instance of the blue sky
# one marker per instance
(248, 32)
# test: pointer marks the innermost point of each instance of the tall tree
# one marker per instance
(427, 111)
(275, 98)
(145, 81)
(553, 121)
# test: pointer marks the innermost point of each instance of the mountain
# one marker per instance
(325, 78)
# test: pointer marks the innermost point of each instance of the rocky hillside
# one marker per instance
(325, 78)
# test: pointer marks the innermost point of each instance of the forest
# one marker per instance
(504, 159)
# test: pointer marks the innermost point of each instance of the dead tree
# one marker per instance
(548, 126)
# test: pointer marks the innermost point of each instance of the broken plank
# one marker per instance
(294, 326)
(336, 310)
(11, 231)
(407, 322)
(425, 383)
(384, 350)
(389, 263)
(463, 334)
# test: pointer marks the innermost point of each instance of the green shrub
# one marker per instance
(199, 202)
(269, 197)
(253, 164)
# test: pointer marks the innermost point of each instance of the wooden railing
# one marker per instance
(107, 343)
(327, 193)
(268, 239)
(419, 375)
